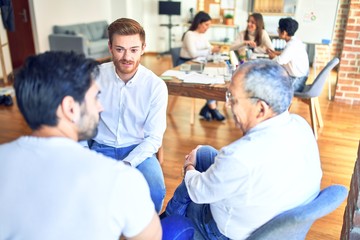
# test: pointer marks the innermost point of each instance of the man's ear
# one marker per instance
(109, 46)
(264, 111)
(69, 108)
(143, 48)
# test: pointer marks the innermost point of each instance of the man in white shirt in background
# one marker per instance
(133, 123)
(294, 57)
(274, 167)
(50, 186)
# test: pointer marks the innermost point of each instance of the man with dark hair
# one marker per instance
(133, 123)
(231, 192)
(294, 57)
(50, 186)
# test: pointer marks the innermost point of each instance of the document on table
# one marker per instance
(210, 75)
(173, 73)
(194, 77)
(214, 71)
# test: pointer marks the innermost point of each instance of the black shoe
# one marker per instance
(6, 100)
(215, 114)
(163, 215)
(205, 113)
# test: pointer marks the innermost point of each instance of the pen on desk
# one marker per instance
(228, 63)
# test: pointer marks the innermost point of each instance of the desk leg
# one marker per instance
(172, 104)
(192, 112)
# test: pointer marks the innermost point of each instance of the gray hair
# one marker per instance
(268, 81)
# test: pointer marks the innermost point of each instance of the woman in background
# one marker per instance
(195, 44)
(254, 37)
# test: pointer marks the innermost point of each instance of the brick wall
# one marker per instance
(348, 86)
(345, 45)
(351, 223)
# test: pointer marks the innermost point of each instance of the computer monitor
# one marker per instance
(169, 8)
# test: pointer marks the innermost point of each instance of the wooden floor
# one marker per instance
(338, 141)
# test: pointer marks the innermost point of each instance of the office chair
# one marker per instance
(295, 223)
(311, 92)
(175, 55)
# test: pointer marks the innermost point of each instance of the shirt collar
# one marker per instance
(278, 120)
(133, 80)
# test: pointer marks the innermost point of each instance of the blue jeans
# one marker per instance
(298, 83)
(150, 168)
(200, 214)
(177, 228)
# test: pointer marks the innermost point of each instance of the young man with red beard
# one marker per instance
(135, 100)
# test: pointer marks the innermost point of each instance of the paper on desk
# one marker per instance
(259, 56)
(194, 77)
(200, 59)
(210, 58)
(174, 73)
(214, 71)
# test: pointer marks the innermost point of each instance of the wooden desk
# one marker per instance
(177, 87)
(205, 91)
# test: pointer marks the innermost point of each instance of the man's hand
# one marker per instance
(190, 159)
(272, 53)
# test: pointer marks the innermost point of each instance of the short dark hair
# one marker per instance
(289, 25)
(126, 27)
(44, 80)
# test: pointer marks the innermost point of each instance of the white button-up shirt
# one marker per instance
(294, 58)
(134, 113)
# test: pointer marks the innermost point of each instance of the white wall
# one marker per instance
(146, 13)
(47, 13)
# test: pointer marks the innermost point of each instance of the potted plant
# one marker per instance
(229, 19)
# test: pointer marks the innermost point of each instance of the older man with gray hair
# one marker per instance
(272, 168)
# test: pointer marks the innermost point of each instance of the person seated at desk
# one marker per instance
(254, 37)
(232, 192)
(294, 57)
(195, 44)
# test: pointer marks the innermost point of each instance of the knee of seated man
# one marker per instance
(177, 227)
